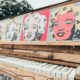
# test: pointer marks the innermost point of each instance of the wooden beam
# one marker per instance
(53, 43)
(58, 62)
(66, 57)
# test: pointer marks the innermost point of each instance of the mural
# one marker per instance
(35, 26)
(10, 33)
(65, 23)
(1, 30)
(12, 29)
(54, 24)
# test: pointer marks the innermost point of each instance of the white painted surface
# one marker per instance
(42, 3)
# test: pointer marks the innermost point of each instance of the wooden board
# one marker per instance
(47, 57)
(78, 73)
(56, 43)
(20, 73)
(74, 58)
(58, 49)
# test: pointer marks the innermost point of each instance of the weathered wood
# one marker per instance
(58, 49)
(58, 62)
(29, 53)
(64, 57)
(55, 43)
(78, 73)
(42, 54)
(32, 47)
(77, 78)
(23, 74)
(8, 46)
(5, 51)
(67, 57)
(20, 73)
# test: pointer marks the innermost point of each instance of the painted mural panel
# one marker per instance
(35, 26)
(1, 30)
(65, 23)
(10, 29)
(55, 24)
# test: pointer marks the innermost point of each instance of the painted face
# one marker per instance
(10, 31)
(30, 29)
(63, 25)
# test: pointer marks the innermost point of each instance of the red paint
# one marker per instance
(63, 26)
(44, 35)
(46, 13)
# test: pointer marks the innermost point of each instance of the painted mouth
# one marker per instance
(9, 37)
(60, 34)
(29, 35)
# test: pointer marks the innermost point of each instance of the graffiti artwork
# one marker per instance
(64, 23)
(35, 26)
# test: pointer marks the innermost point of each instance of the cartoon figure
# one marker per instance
(34, 27)
(63, 23)
(11, 32)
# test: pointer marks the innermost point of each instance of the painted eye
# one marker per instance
(13, 29)
(26, 26)
(55, 23)
(69, 22)
(39, 27)
(34, 26)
